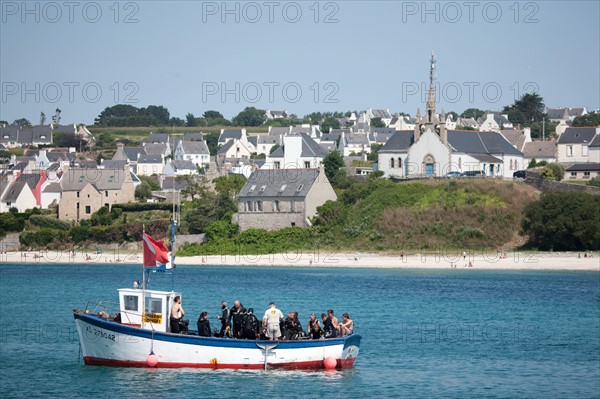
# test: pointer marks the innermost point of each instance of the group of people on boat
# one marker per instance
(241, 323)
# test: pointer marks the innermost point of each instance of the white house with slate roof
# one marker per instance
(494, 121)
(148, 165)
(433, 150)
(277, 198)
(573, 144)
(179, 168)
(193, 151)
(298, 151)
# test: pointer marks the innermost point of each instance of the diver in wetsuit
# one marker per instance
(204, 325)
(236, 318)
(328, 328)
(224, 318)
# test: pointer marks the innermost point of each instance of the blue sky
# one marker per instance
(302, 56)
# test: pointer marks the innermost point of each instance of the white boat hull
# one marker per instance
(107, 343)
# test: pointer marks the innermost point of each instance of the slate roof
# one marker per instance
(595, 142)
(330, 136)
(557, 113)
(279, 130)
(498, 118)
(13, 192)
(584, 167)
(383, 130)
(577, 135)
(132, 153)
(64, 129)
(225, 147)
(253, 140)
(102, 179)
(54, 166)
(278, 153)
(486, 158)
(400, 141)
(155, 149)
(381, 113)
(279, 183)
(540, 149)
(145, 158)
(194, 147)
(174, 183)
(52, 188)
(113, 164)
(9, 133)
(269, 139)
(357, 139)
(193, 136)
(230, 134)
(469, 142)
(574, 112)
(381, 138)
(310, 148)
(514, 137)
(183, 165)
(32, 179)
(329, 147)
(158, 138)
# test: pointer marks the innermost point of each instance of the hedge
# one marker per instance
(146, 206)
(50, 222)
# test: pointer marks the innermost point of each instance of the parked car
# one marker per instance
(519, 174)
(473, 173)
(453, 174)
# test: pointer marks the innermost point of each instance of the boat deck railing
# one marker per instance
(107, 307)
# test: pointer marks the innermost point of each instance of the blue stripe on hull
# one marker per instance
(97, 321)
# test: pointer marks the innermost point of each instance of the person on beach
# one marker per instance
(224, 318)
(271, 321)
(314, 327)
(177, 314)
(236, 318)
(204, 325)
(346, 327)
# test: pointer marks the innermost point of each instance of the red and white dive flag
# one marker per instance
(155, 252)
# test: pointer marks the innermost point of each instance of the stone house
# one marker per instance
(84, 191)
(273, 199)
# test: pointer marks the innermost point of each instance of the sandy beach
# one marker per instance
(506, 261)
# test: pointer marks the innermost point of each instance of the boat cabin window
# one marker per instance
(153, 305)
(131, 302)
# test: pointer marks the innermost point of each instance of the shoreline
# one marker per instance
(480, 261)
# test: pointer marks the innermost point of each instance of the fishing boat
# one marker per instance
(138, 333)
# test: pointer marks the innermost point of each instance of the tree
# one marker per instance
(250, 116)
(106, 141)
(143, 192)
(591, 119)
(563, 221)
(377, 122)
(332, 163)
(330, 123)
(229, 185)
(474, 113)
(531, 107)
(190, 120)
(210, 114)
(56, 117)
(69, 140)
(22, 122)
(175, 121)
(373, 156)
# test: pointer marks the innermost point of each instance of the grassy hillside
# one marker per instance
(384, 216)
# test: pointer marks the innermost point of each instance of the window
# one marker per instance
(252, 188)
(131, 302)
(392, 163)
(586, 175)
(77, 194)
(277, 165)
(511, 164)
(259, 206)
(81, 178)
(584, 150)
(293, 206)
(8, 203)
(399, 162)
(111, 179)
(106, 193)
(276, 206)
(573, 175)
(293, 224)
(300, 187)
(569, 150)
(249, 206)
(262, 188)
(282, 188)
(153, 305)
(306, 164)
(88, 209)
(459, 163)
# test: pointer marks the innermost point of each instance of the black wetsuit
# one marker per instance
(236, 317)
(251, 326)
(224, 321)
(204, 328)
(328, 328)
(293, 329)
(314, 330)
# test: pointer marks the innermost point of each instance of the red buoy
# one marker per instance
(330, 363)
(152, 360)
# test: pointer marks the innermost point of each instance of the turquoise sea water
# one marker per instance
(426, 333)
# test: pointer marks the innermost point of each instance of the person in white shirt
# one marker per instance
(271, 320)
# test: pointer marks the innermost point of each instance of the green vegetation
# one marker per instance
(553, 171)
(384, 216)
(563, 222)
